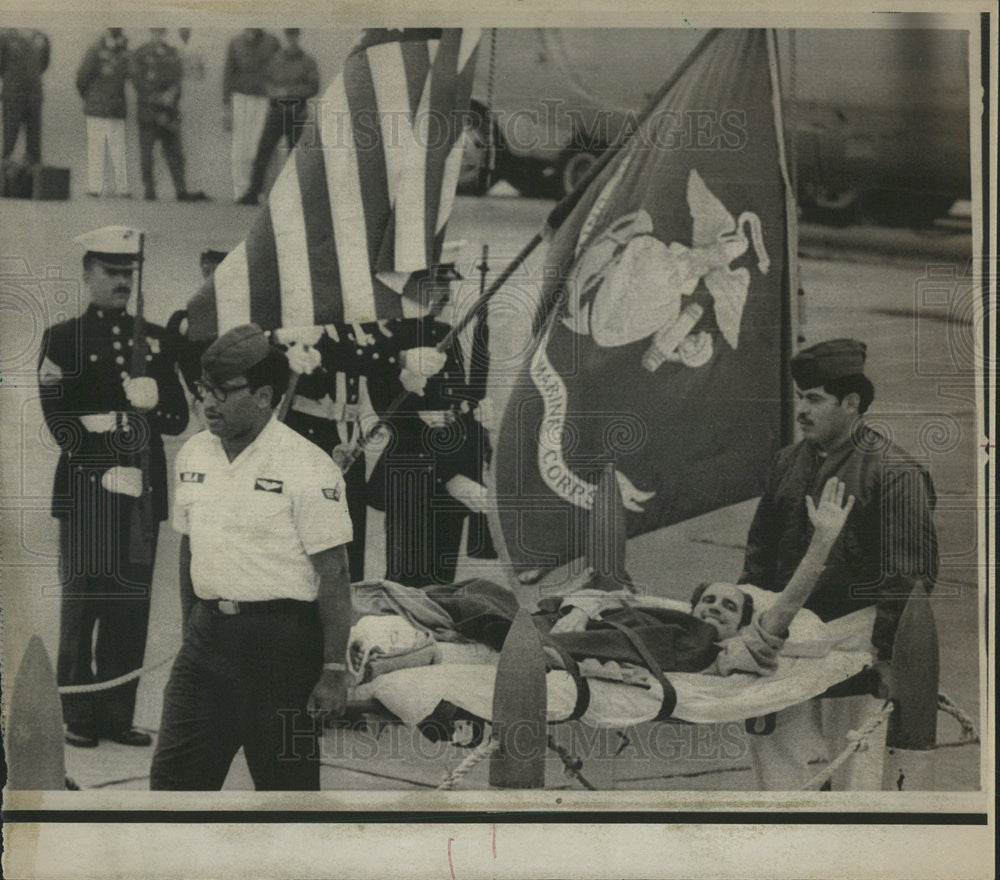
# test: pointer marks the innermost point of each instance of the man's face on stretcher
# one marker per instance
(722, 606)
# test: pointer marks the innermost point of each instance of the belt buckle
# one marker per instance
(229, 606)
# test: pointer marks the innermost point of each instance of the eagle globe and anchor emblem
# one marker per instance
(628, 285)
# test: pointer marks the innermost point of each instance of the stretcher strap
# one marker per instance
(669, 694)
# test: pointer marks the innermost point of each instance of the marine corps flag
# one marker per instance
(363, 200)
(664, 339)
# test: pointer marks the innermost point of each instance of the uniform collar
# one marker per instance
(105, 314)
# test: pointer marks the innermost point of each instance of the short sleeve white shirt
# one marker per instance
(253, 522)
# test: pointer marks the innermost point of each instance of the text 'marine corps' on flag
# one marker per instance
(363, 200)
(664, 339)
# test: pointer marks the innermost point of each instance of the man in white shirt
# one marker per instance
(265, 590)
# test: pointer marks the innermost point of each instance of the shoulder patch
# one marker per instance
(332, 494)
(265, 485)
(192, 477)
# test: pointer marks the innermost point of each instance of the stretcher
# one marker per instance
(817, 656)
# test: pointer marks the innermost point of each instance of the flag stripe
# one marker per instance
(262, 271)
(365, 129)
(348, 212)
(289, 226)
(323, 265)
(232, 281)
(395, 119)
(417, 62)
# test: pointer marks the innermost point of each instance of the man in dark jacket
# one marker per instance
(887, 545)
(156, 71)
(244, 99)
(291, 78)
(100, 80)
(24, 57)
(107, 410)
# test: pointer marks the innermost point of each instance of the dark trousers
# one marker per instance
(114, 599)
(242, 680)
(423, 526)
(283, 118)
(26, 112)
(169, 137)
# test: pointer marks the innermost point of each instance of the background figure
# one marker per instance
(156, 71)
(291, 78)
(100, 80)
(101, 417)
(244, 99)
(24, 57)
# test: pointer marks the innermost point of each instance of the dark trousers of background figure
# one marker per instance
(423, 526)
(26, 112)
(116, 602)
(283, 118)
(169, 137)
(242, 680)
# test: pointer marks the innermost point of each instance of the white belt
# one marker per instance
(104, 423)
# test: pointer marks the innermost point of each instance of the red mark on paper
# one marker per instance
(451, 867)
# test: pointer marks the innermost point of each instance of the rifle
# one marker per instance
(140, 550)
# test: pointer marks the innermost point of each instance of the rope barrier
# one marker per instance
(113, 682)
(969, 734)
(478, 754)
(571, 766)
(858, 742)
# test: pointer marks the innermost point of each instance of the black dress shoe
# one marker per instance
(249, 198)
(80, 740)
(131, 737)
(150, 196)
(197, 196)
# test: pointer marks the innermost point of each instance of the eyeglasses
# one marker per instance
(219, 394)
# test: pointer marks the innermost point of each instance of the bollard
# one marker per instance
(912, 731)
(519, 704)
(35, 756)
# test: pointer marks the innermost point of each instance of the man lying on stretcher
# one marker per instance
(603, 630)
(744, 641)
(751, 643)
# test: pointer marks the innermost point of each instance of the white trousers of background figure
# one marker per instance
(812, 731)
(249, 115)
(106, 138)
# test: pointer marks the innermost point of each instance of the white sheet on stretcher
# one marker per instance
(816, 656)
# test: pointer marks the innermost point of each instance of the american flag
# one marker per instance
(363, 200)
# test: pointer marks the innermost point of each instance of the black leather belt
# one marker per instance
(231, 607)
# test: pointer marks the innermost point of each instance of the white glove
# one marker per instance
(123, 481)
(49, 373)
(419, 364)
(472, 494)
(485, 414)
(437, 418)
(100, 423)
(303, 359)
(142, 393)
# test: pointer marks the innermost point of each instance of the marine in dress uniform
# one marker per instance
(427, 481)
(887, 544)
(291, 78)
(100, 80)
(333, 398)
(156, 72)
(101, 415)
(244, 99)
(264, 584)
(24, 57)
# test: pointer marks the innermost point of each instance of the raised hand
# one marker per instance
(830, 514)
